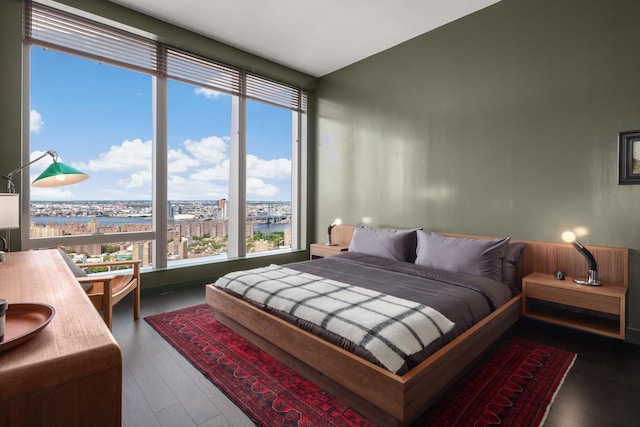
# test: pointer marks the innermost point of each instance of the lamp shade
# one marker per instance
(59, 174)
(9, 211)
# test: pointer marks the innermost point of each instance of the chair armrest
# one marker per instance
(93, 279)
(107, 284)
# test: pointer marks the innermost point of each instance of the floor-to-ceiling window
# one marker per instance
(270, 142)
(97, 117)
(199, 138)
(160, 138)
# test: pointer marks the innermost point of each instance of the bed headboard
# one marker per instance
(546, 257)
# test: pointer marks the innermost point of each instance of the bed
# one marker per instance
(389, 396)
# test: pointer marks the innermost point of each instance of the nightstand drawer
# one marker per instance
(572, 297)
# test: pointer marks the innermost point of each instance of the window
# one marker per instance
(268, 176)
(163, 135)
(98, 118)
(199, 129)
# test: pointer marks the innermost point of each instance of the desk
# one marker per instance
(70, 374)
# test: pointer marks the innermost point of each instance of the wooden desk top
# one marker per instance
(75, 344)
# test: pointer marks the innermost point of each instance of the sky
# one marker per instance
(98, 118)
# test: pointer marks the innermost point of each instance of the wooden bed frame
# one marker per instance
(386, 398)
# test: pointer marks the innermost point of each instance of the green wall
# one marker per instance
(10, 90)
(503, 123)
(11, 112)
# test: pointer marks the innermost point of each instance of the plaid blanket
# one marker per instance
(390, 328)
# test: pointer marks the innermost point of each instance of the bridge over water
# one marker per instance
(269, 219)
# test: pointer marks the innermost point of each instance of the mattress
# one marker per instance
(461, 298)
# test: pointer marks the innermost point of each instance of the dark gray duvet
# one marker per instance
(463, 299)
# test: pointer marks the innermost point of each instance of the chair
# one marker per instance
(106, 290)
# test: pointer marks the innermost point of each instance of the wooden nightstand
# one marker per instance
(321, 250)
(603, 306)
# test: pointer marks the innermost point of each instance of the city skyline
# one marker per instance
(203, 234)
(43, 211)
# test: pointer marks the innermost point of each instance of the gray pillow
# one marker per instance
(77, 271)
(397, 245)
(510, 263)
(461, 254)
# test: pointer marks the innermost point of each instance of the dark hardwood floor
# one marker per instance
(603, 386)
(160, 388)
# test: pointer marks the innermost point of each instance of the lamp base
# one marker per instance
(329, 242)
(586, 282)
(591, 280)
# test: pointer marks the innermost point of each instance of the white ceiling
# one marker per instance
(315, 37)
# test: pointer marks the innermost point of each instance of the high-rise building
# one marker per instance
(263, 245)
(222, 205)
(143, 251)
(93, 226)
(183, 250)
(39, 230)
(287, 238)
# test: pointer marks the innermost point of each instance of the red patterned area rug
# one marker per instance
(514, 385)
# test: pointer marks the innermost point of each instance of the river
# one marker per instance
(116, 220)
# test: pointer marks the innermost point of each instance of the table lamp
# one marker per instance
(337, 221)
(592, 274)
(57, 174)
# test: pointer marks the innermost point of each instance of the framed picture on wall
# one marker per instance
(629, 157)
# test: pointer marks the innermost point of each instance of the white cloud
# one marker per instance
(136, 180)
(258, 187)
(134, 155)
(180, 189)
(35, 121)
(207, 93)
(199, 169)
(176, 180)
(211, 149)
(216, 173)
(180, 162)
(55, 193)
(269, 169)
(131, 156)
(211, 192)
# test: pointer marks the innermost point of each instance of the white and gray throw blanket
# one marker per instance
(390, 328)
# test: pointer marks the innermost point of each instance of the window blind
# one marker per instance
(202, 72)
(58, 30)
(272, 92)
(55, 29)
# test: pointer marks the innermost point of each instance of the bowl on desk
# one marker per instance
(24, 321)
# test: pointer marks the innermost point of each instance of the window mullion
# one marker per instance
(160, 173)
(25, 189)
(237, 246)
(297, 150)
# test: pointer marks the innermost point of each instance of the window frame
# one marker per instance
(260, 91)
